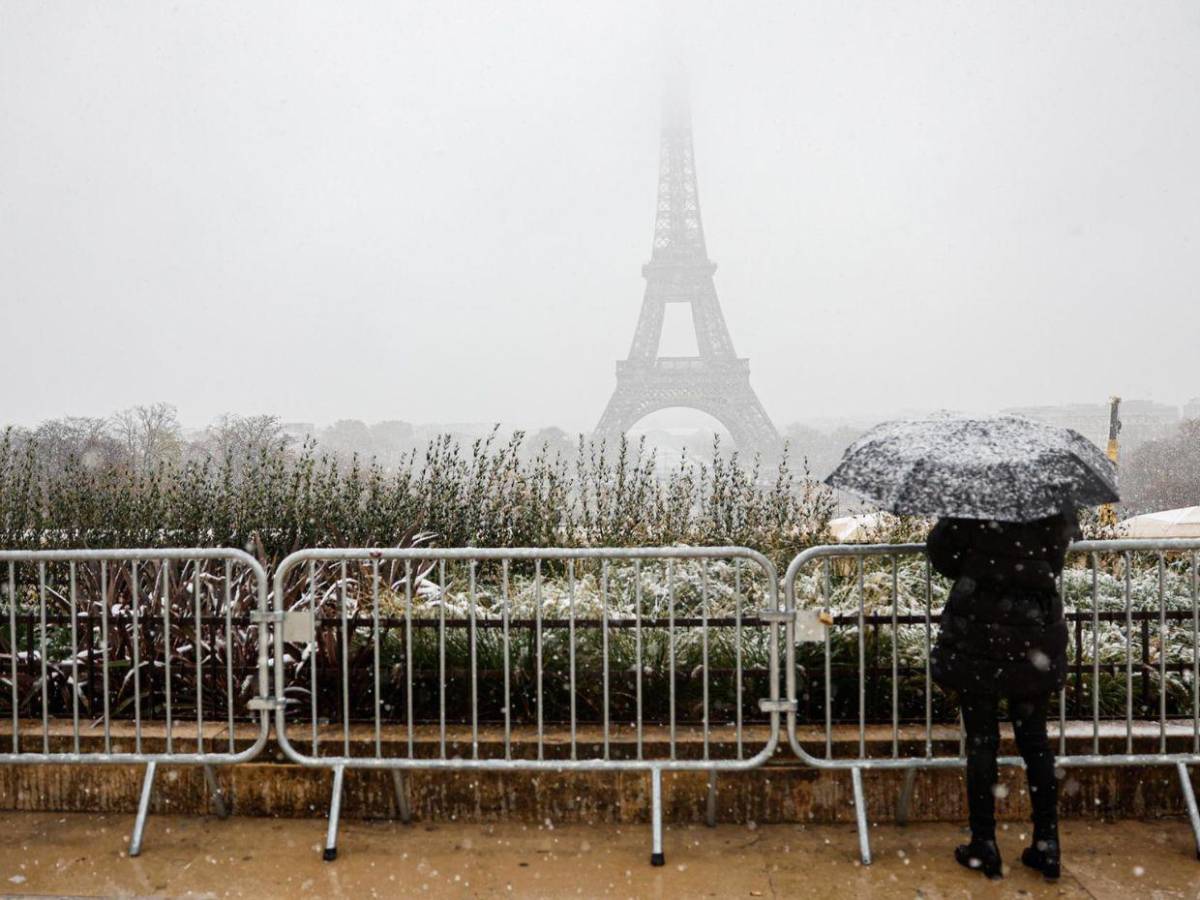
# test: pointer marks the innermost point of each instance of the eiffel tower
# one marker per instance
(716, 381)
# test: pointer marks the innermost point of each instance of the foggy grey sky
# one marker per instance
(438, 212)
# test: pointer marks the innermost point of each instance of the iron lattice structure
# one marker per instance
(716, 381)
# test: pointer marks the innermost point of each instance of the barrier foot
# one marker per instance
(906, 792)
(656, 826)
(139, 824)
(214, 791)
(400, 785)
(860, 813)
(710, 813)
(1189, 797)
(335, 810)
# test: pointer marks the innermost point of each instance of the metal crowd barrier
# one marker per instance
(161, 625)
(1105, 649)
(435, 659)
(455, 649)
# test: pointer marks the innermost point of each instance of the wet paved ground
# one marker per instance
(81, 855)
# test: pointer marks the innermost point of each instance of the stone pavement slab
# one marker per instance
(84, 855)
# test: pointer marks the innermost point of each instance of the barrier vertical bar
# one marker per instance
(1162, 655)
(604, 650)
(737, 652)
(828, 667)
(442, 657)
(345, 626)
(704, 656)
(507, 662)
(229, 701)
(671, 648)
(1095, 653)
(862, 663)
(137, 666)
(90, 639)
(537, 612)
(408, 655)
(895, 659)
(199, 656)
(75, 686)
(42, 653)
(12, 635)
(1195, 653)
(571, 649)
(375, 658)
(1062, 694)
(103, 655)
(474, 665)
(1128, 653)
(74, 660)
(928, 650)
(165, 575)
(313, 684)
(637, 638)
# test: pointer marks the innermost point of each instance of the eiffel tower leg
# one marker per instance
(712, 334)
(649, 327)
(620, 413)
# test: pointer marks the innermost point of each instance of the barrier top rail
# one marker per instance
(139, 554)
(297, 621)
(528, 554)
(826, 551)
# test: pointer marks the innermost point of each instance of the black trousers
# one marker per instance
(981, 722)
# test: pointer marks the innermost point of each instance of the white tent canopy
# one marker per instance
(1170, 523)
(861, 527)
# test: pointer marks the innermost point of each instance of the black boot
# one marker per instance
(1044, 854)
(983, 856)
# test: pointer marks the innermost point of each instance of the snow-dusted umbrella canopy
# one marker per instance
(1003, 467)
(1170, 523)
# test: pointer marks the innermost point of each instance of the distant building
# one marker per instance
(1141, 420)
(1191, 409)
(299, 431)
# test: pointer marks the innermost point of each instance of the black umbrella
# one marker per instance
(1005, 468)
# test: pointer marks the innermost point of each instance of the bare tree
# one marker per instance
(347, 437)
(1163, 474)
(241, 437)
(554, 441)
(822, 450)
(150, 434)
(77, 440)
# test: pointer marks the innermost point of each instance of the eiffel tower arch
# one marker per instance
(715, 381)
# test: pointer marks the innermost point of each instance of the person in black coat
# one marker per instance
(1003, 637)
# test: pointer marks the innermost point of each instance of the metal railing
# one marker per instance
(851, 575)
(160, 622)
(572, 639)
(558, 660)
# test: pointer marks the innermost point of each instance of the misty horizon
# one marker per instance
(382, 214)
